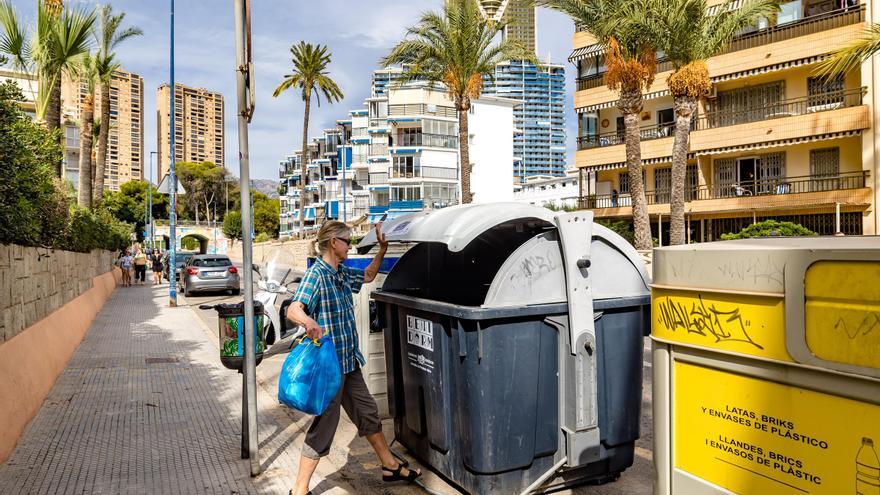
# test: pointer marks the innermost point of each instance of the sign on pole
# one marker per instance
(165, 186)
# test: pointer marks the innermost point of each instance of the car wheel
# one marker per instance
(186, 291)
(236, 292)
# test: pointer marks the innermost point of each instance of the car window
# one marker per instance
(212, 262)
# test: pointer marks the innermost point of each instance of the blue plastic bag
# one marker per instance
(310, 376)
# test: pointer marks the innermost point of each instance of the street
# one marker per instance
(637, 480)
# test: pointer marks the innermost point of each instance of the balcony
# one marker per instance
(424, 173)
(429, 140)
(421, 109)
(762, 37)
(757, 112)
(378, 149)
(785, 192)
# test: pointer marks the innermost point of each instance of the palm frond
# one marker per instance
(13, 39)
(851, 56)
(310, 64)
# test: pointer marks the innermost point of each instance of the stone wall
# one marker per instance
(34, 282)
(287, 253)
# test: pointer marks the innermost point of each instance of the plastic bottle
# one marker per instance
(867, 469)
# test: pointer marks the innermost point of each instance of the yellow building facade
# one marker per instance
(772, 140)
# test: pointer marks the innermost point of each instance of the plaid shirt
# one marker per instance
(327, 296)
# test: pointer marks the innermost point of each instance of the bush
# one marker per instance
(770, 228)
(232, 225)
(621, 227)
(90, 230)
(262, 237)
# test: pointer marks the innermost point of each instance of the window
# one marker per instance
(406, 167)
(665, 121)
(406, 193)
(825, 92)
(748, 104)
(588, 124)
(662, 185)
(824, 169)
(621, 128)
(591, 66)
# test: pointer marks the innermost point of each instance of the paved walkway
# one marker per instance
(144, 406)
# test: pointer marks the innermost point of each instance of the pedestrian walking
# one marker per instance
(156, 260)
(323, 304)
(140, 266)
(126, 263)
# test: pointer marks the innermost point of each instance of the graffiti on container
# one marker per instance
(710, 321)
(754, 270)
(532, 268)
(870, 323)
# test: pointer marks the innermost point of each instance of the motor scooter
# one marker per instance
(273, 282)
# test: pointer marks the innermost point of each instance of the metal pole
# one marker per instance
(250, 376)
(837, 218)
(150, 188)
(172, 179)
(344, 199)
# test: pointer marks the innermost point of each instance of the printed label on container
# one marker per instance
(755, 436)
(420, 333)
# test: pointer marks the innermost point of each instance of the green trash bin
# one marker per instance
(230, 319)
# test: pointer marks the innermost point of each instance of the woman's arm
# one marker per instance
(373, 269)
(296, 313)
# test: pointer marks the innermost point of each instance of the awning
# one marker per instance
(769, 68)
(585, 51)
(649, 161)
(779, 142)
(609, 104)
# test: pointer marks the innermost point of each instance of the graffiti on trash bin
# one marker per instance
(868, 324)
(724, 325)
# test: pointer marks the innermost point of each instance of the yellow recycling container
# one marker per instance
(766, 367)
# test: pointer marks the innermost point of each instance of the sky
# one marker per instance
(358, 34)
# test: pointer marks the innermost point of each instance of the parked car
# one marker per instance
(181, 258)
(209, 272)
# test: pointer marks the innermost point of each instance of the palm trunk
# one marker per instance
(103, 136)
(630, 105)
(464, 153)
(85, 153)
(53, 121)
(305, 153)
(684, 110)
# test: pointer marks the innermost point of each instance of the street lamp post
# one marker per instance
(172, 215)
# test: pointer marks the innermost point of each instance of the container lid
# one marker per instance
(455, 226)
(753, 265)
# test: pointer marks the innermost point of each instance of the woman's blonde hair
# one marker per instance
(328, 231)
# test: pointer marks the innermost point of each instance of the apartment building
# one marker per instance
(198, 126)
(125, 140)
(771, 141)
(28, 85)
(539, 119)
(518, 16)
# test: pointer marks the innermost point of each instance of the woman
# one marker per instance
(323, 304)
(156, 260)
(125, 264)
(140, 265)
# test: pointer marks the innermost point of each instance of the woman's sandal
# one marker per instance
(395, 473)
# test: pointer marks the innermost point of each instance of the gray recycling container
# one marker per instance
(513, 346)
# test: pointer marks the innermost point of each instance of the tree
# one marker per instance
(130, 203)
(309, 76)
(87, 76)
(108, 37)
(232, 225)
(689, 35)
(33, 207)
(266, 215)
(851, 56)
(204, 186)
(61, 40)
(630, 55)
(455, 47)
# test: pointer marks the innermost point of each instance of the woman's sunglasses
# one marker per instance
(346, 240)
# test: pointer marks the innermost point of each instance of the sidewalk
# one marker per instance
(144, 406)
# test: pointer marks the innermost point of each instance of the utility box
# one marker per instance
(766, 362)
(513, 345)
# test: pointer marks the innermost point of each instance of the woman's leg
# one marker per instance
(361, 408)
(318, 441)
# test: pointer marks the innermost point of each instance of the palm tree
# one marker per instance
(689, 35)
(61, 40)
(851, 56)
(455, 47)
(108, 37)
(630, 55)
(309, 76)
(88, 77)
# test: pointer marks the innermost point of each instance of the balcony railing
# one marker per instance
(425, 173)
(765, 187)
(424, 139)
(378, 179)
(421, 109)
(378, 149)
(801, 27)
(756, 112)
